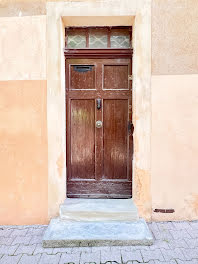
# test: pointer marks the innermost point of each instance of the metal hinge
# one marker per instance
(130, 77)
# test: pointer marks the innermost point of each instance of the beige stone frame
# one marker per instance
(103, 13)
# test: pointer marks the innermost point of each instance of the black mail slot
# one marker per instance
(83, 68)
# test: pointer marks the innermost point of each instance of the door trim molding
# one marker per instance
(83, 13)
(98, 53)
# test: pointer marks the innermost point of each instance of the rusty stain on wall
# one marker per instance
(142, 193)
(60, 164)
(191, 204)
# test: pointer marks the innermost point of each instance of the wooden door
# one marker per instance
(99, 154)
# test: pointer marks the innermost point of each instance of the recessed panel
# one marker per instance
(115, 139)
(115, 77)
(82, 77)
(82, 139)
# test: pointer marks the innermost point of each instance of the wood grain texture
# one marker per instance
(115, 139)
(82, 139)
(80, 78)
(99, 160)
(116, 77)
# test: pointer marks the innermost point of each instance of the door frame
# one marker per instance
(131, 13)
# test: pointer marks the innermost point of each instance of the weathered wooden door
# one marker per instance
(99, 131)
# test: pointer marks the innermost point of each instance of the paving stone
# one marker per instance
(63, 250)
(165, 226)
(163, 235)
(6, 240)
(169, 262)
(36, 239)
(153, 226)
(181, 225)
(70, 258)
(159, 244)
(94, 258)
(136, 262)
(179, 234)
(19, 232)
(152, 255)
(94, 249)
(39, 249)
(173, 254)
(81, 249)
(194, 224)
(114, 256)
(193, 233)
(25, 249)
(192, 261)
(133, 255)
(179, 243)
(192, 243)
(36, 231)
(25, 259)
(5, 232)
(126, 248)
(140, 247)
(49, 259)
(22, 240)
(10, 259)
(190, 253)
(8, 250)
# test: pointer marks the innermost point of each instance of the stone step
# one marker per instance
(99, 210)
(62, 233)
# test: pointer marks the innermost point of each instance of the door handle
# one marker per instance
(130, 127)
(99, 103)
(98, 124)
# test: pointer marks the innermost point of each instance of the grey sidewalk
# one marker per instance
(175, 243)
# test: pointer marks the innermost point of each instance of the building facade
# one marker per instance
(33, 102)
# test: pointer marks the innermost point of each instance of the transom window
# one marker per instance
(98, 38)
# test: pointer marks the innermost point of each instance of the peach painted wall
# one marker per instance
(23, 112)
(23, 125)
(174, 142)
(175, 146)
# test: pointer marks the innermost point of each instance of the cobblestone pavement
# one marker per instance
(175, 243)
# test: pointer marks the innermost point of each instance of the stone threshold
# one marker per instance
(97, 222)
(61, 233)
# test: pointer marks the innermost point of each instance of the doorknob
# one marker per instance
(98, 103)
(98, 124)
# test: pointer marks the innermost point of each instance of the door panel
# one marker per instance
(82, 139)
(115, 139)
(99, 159)
(82, 76)
(116, 77)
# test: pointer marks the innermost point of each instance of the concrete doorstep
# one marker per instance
(97, 222)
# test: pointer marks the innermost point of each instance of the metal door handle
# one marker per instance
(99, 103)
(98, 124)
(130, 127)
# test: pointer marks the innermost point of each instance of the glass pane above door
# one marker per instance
(98, 38)
(76, 39)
